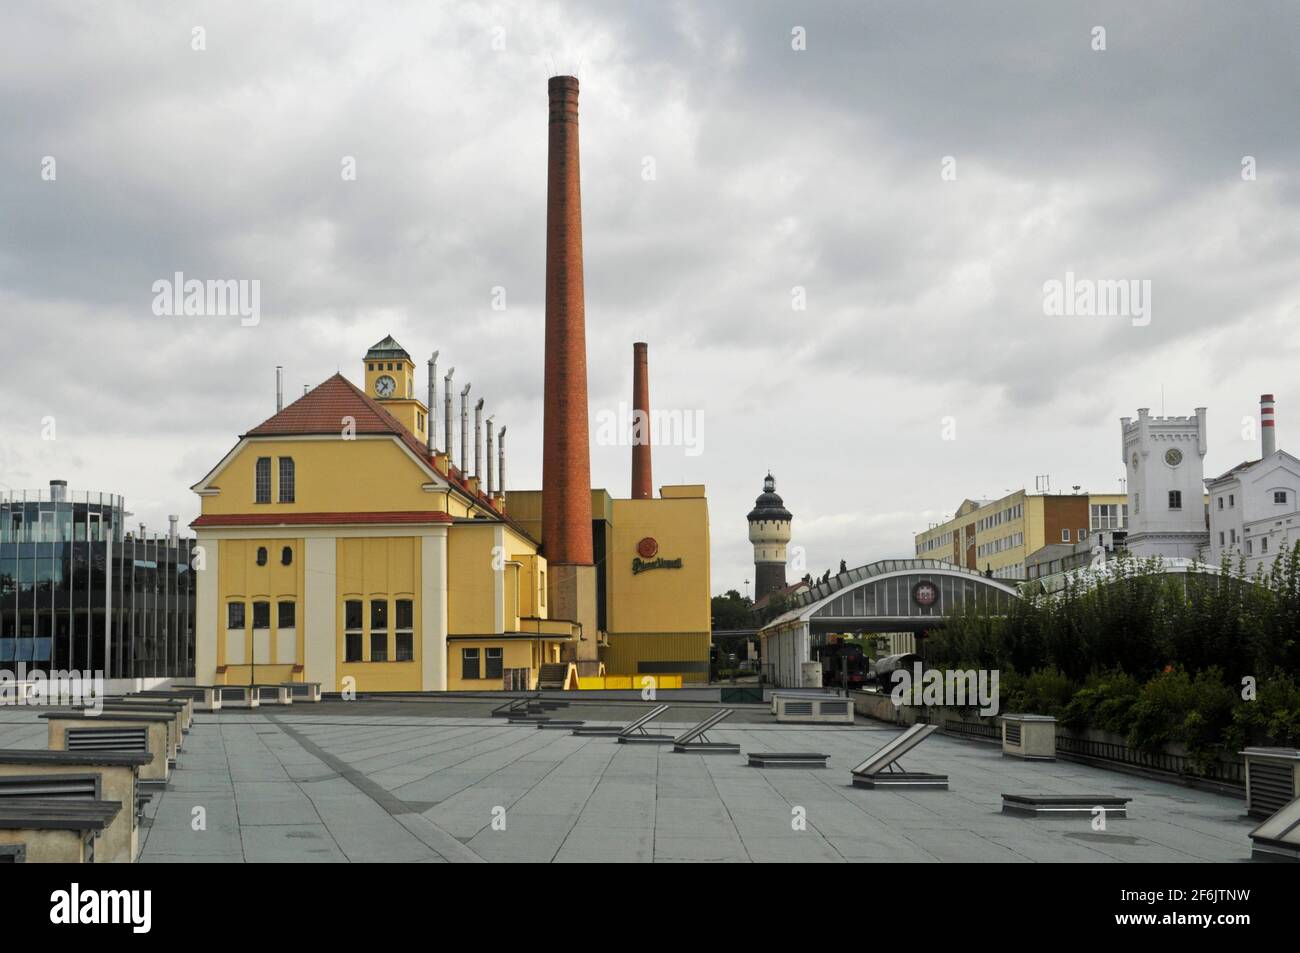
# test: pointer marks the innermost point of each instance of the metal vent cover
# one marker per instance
(1013, 733)
(1272, 786)
(107, 739)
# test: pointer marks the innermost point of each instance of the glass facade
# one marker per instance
(77, 591)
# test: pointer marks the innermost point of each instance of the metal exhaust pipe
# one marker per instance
(464, 432)
(478, 441)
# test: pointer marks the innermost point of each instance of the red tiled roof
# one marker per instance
(321, 411)
(319, 519)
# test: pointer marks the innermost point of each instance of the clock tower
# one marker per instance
(390, 379)
(1166, 495)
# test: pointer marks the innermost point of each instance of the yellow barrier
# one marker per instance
(628, 682)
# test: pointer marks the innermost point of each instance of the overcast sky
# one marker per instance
(773, 169)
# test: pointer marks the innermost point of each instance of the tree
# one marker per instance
(732, 611)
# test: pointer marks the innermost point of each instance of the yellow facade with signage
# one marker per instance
(655, 609)
(334, 548)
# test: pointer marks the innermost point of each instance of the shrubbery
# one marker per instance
(1159, 658)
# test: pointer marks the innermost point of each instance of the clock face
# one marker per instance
(1173, 457)
(385, 386)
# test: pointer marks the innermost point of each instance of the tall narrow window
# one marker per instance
(493, 663)
(286, 615)
(404, 643)
(286, 479)
(352, 630)
(262, 480)
(1175, 499)
(261, 615)
(235, 615)
(469, 663)
(379, 630)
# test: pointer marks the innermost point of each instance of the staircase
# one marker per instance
(553, 676)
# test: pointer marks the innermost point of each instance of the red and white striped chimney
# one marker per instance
(642, 481)
(1267, 430)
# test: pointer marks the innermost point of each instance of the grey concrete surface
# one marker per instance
(381, 781)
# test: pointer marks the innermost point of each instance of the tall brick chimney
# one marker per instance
(566, 451)
(642, 481)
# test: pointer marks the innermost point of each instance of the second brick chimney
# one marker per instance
(642, 480)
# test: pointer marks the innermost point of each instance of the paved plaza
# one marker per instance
(376, 781)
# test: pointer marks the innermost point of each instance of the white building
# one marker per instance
(1165, 457)
(1255, 506)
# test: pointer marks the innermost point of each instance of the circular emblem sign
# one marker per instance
(925, 593)
(647, 548)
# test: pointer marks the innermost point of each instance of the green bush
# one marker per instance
(1105, 701)
(1175, 707)
(1042, 692)
(1272, 718)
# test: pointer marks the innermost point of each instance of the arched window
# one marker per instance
(261, 555)
(286, 556)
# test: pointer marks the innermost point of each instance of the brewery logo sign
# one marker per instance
(648, 557)
(925, 593)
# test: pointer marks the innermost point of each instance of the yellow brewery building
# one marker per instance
(340, 547)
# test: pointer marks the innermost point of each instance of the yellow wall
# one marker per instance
(517, 653)
(659, 600)
(363, 475)
(370, 569)
(625, 682)
(240, 579)
(412, 415)
(470, 579)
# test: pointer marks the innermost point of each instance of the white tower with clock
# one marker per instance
(390, 379)
(1165, 459)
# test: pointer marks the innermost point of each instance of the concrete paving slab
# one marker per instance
(418, 782)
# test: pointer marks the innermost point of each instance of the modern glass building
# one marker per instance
(78, 591)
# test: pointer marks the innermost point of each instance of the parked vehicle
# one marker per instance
(881, 669)
(840, 659)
